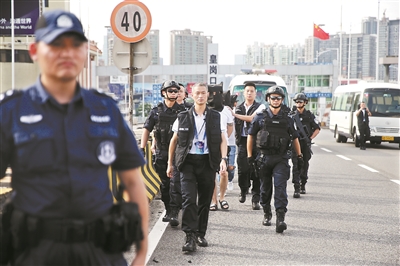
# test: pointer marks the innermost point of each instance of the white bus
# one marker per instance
(382, 100)
(263, 79)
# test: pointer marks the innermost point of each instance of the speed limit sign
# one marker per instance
(131, 21)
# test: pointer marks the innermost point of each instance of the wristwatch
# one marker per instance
(226, 159)
(300, 155)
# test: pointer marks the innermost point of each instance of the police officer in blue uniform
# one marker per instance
(161, 119)
(308, 128)
(272, 131)
(60, 140)
(198, 148)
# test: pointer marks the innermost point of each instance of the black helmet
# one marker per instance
(300, 96)
(274, 90)
(169, 84)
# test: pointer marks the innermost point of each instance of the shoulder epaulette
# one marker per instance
(10, 94)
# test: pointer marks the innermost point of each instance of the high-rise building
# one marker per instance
(369, 25)
(262, 54)
(189, 48)
(388, 44)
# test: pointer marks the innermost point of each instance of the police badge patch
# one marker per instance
(106, 152)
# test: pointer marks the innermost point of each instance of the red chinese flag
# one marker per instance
(319, 33)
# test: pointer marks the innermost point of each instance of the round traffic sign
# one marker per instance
(131, 21)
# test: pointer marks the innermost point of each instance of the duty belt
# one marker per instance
(269, 152)
(71, 231)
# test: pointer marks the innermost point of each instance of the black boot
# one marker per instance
(303, 188)
(190, 244)
(242, 196)
(166, 217)
(173, 219)
(267, 216)
(280, 221)
(296, 191)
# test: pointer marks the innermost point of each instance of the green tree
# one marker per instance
(147, 109)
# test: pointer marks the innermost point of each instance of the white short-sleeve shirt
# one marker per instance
(200, 127)
(228, 118)
(258, 110)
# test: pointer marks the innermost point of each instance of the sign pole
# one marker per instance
(131, 81)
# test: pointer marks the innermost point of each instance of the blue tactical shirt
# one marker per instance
(60, 154)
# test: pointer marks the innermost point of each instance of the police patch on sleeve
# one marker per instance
(106, 152)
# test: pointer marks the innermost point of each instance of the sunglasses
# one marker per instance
(173, 91)
(299, 101)
(274, 98)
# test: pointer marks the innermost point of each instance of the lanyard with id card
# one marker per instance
(199, 143)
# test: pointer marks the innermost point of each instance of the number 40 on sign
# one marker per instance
(131, 21)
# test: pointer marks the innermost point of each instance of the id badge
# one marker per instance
(199, 147)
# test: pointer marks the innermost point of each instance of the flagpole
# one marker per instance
(398, 68)
(377, 46)
(348, 61)
(12, 47)
(340, 44)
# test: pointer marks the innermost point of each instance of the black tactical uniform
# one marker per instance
(161, 119)
(273, 134)
(306, 124)
(245, 173)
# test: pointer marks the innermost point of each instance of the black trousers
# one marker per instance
(364, 133)
(245, 173)
(274, 173)
(52, 253)
(161, 169)
(175, 190)
(301, 176)
(197, 182)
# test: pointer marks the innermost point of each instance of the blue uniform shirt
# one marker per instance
(60, 154)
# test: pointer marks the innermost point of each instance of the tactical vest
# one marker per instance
(306, 120)
(163, 128)
(273, 138)
(239, 124)
(186, 135)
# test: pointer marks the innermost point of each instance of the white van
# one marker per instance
(382, 99)
(263, 79)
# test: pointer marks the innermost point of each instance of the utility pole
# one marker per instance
(131, 80)
(377, 46)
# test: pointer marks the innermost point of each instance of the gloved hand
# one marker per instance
(142, 151)
(300, 163)
(251, 160)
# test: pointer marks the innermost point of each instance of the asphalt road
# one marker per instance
(349, 216)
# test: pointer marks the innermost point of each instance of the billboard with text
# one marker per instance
(26, 13)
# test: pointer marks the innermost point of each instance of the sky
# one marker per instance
(235, 24)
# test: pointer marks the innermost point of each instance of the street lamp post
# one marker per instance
(328, 50)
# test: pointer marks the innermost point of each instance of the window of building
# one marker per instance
(20, 56)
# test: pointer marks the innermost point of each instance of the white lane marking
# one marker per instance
(155, 236)
(396, 181)
(326, 150)
(368, 168)
(344, 157)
